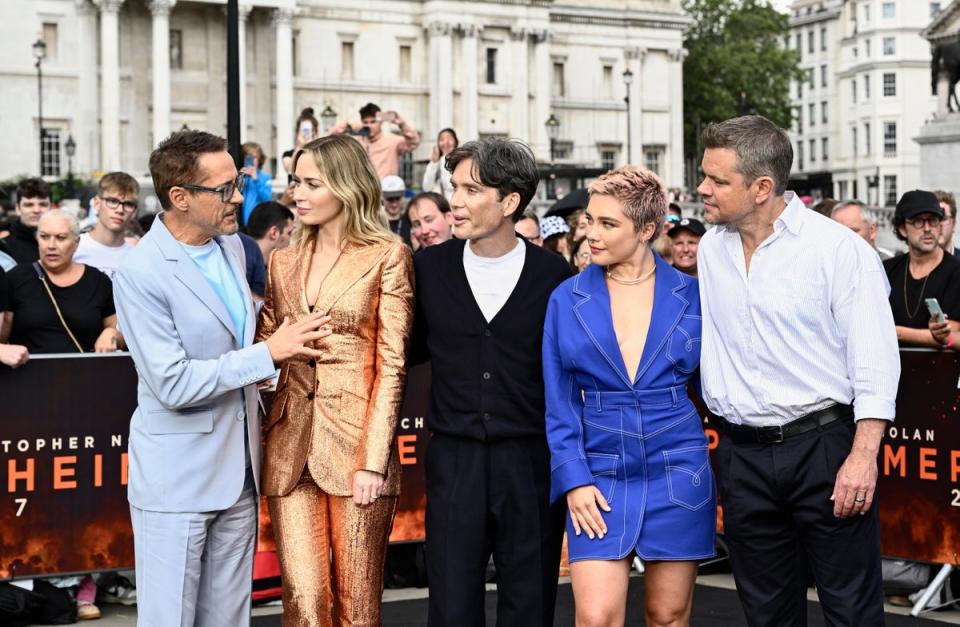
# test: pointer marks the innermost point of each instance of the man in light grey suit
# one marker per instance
(186, 311)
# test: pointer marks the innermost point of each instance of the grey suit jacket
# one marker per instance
(197, 378)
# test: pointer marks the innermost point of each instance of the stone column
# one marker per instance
(85, 130)
(634, 59)
(441, 75)
(520, 106)
(469, 96)
(244, 12)
(110, 84)
(542, 93)
(673, 174)
(282, 24)
(161, 68)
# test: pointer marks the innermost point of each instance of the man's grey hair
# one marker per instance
(530, 214)
(762, 148)
(867, 215)
(71, 219)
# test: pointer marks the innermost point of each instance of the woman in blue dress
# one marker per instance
(628, 452)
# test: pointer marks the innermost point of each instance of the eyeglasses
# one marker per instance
(115, 203)
(225, 191)
(919, 223)
(583, 255)
(532, 239)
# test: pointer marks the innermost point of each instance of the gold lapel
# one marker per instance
(355, 261)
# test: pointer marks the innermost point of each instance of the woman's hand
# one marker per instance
(582, 504)
(108, 342)
(13, 355)
(435, 153)
(250, 171)
(940, 331)
(366, 487)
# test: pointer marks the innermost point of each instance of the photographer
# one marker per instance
(384, 149)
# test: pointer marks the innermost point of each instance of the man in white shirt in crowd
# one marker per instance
(116, 204)
(853, 215)
(800, 364)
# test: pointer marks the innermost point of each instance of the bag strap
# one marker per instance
(56, 307)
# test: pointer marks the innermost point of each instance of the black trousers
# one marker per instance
(778, 518)
(488, 498)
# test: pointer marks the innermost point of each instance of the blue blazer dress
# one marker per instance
(641, 442)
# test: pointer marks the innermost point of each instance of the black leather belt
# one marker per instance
(742, 434)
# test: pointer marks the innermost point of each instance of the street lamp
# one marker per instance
(328, 117)
(39, 54)
(71, 149)
(553, 132)
(627, 81)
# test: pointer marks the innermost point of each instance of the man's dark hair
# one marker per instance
(949, 199)
(762, 148)
(369, 110)
(505, 164)
(33, 188)
(675, 207)
(437, 199)
(825, 207)
(176, 161)
(265, 215)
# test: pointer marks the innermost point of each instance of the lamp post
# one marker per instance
(39, 54)
(553, 131)
(627, 81)
(71, 149)
(328, 117)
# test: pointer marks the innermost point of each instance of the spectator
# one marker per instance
(685, 240)
(6, 261)
(577, 221)
(948, 202)
(430, 219)
(254, 265)
(308, 129)
(384, 149)
(528, 227)
(926, 271)
(673, 217)
(116, 207)
(673, 209)
(436, 177)
(854, 214)
(824, 207)
(271, 225)
(553, 230)
(258, 187)
(12, 355)
(70, 309)
(581, 255)
(33, 200)
(393, 189)
(663, 246)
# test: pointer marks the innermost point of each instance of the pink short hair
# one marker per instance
(640, 191)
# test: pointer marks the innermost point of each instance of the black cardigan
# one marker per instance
(487, 379)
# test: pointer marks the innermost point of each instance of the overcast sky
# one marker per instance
(783, 5)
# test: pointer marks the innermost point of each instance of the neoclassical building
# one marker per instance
(120, 74)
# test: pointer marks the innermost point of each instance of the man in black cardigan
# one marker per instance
(481, 302)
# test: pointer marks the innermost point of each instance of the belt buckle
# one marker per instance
(772, 434)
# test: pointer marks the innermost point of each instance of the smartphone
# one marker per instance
(934, 308)
(306, 130)
(249, 161)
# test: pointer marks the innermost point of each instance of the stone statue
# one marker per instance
(946, 57)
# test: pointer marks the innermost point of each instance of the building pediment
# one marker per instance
(946, 26)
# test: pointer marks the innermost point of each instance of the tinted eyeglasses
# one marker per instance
(921, 222)
(226, 190)
(115, 203)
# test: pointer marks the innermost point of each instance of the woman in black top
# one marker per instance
(58, 305)
(10, 354)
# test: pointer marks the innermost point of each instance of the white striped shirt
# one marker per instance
(809, 326)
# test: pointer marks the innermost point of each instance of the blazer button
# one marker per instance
(310, 396)
(486, 376)
(487, 333)
(486, 416)
(312, 363)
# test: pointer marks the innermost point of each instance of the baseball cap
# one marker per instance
(688, 224)
(918, 201)
(392, 186)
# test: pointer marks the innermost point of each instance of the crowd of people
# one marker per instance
(561, 349)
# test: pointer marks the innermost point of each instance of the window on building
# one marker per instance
(50, 152)
(823, 38)
(562, 149)
(853, 139)
(890, 190)
(823, 112)
(51, 37)
(608, 158)
(799, 155)
(295, 51)
(798, 115)
(405, 71)
(810, 79)
(889, 139)
(652, 159)
(559, 82)
(176, 49)
(853, 89)
(889, 46)
(800, 45)
(823, 75)
(866, 87)
(608, 81)
(406, 170)
(799, 89)
(934, 9)
(812, 109)
(889, 10)
(824, 146)
(867, 144)
(810, 44)
(491, 72)
(346, 60)
(889, 84)
(813, 150)
(866, 12)
(867, 48)
(843, 190)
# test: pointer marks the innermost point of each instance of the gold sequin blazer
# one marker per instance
(338, 414)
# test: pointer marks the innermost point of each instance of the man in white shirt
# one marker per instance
(800, 363)
(104, 247)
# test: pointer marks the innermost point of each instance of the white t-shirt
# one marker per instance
(106, 259)
(492, 279)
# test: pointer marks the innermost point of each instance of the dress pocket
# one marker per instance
(604, 468)
(689, 480)
(185, 421)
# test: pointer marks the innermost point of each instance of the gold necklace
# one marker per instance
(631, 281)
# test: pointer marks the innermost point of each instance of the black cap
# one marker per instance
(688, 224)
(916, 202)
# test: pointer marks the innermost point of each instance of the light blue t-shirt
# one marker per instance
(213, 265)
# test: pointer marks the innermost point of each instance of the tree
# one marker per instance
(737, 63)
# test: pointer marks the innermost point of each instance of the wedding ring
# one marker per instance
(860, 498)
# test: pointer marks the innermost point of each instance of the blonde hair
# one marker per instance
(640, 191)
(72, 223)
(347, 171)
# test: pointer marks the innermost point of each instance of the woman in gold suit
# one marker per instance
(330, 470)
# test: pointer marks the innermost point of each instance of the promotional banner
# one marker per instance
(63, 464)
